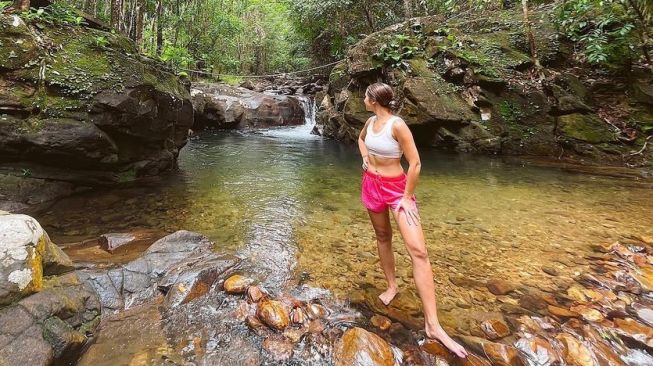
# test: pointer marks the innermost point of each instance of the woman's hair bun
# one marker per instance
(393, 104)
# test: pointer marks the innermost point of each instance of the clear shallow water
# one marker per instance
(290, 201)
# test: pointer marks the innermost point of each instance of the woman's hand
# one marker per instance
(410, 208)
(366, 162)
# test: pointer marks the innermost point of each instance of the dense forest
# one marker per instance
(264, 36)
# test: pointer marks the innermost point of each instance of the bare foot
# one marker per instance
(388, 295)
(438, 333)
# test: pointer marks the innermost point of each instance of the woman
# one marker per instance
(382, 142)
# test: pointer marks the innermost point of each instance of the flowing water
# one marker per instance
(289, 201)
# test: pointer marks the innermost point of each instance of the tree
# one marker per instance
(116, 14)
(529, 33)
(408, 8)
(22, 4)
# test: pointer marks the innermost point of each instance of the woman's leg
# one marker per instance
(383, 231)
(414, 239)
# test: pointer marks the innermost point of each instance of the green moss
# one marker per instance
(588, 128)
(510, 112)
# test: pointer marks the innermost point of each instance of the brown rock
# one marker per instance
(552, 271)
(575, 353)
(278, 347)
(298, 316)
(633, 330)
(499, 354)
(254, 294)
(644, 313)
(381, 322)
(316, 311)
(295, 334)
(237, 284)
(588, 313)
(358, 347)
(561, 313)
(500, 287)
(540, 351)
(495, 329)
(316, 326)
(273, 314)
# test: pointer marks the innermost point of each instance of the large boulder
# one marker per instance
(469, 86)
(230, 107)
(180, 266)
(358, 347)
(75, 99)
(46, 314)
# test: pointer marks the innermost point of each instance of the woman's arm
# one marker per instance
(405, 138)
(361, 145)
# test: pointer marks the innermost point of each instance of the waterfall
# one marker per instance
(302, 132)
(308, 105)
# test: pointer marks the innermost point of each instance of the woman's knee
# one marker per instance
(417, 251)
(384, 236)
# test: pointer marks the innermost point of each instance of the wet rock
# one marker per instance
(295, 334)
(23, 246)
(316, 326)
(540, 351)
(237, 284)
(298, 316)
(358, 347)
(254, 294)
(273, 314)
(500, 287)
(550, 270)
(278, 347)
(254, 323)
(316, 311)
(113, 241)
(184, 284)
(381, 322)
(498, 353)
(588, 313)
(495, 329)
(561, 312)
(634, 331)
(644, 313)
(574, 351)
(162, 265)
(532, 302)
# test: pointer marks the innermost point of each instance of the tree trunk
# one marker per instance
(642, 29)
(140, 13)
(21, 4)
(159, 27)
(116, 15)
(408, 8)
(531, 38)
(369, 17)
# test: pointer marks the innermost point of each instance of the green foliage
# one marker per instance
(510, 112)
(5, 4)
(394, 53)
(605, 30)
(53, 14)
(101, 41)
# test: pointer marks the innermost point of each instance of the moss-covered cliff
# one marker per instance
(471, 85)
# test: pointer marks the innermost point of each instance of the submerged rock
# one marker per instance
(273, 314)
(181, 264)
(237, 284)
(358, 347)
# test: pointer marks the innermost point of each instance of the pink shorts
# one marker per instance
(379, 193)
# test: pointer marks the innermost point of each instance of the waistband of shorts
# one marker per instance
(386, 179)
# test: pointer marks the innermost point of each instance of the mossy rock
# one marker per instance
(585, 127)
(355, 112)
(643, 93)
(18, 48)
(420, 68)
(438, 99)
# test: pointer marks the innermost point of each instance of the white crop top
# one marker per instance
(383, 144)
